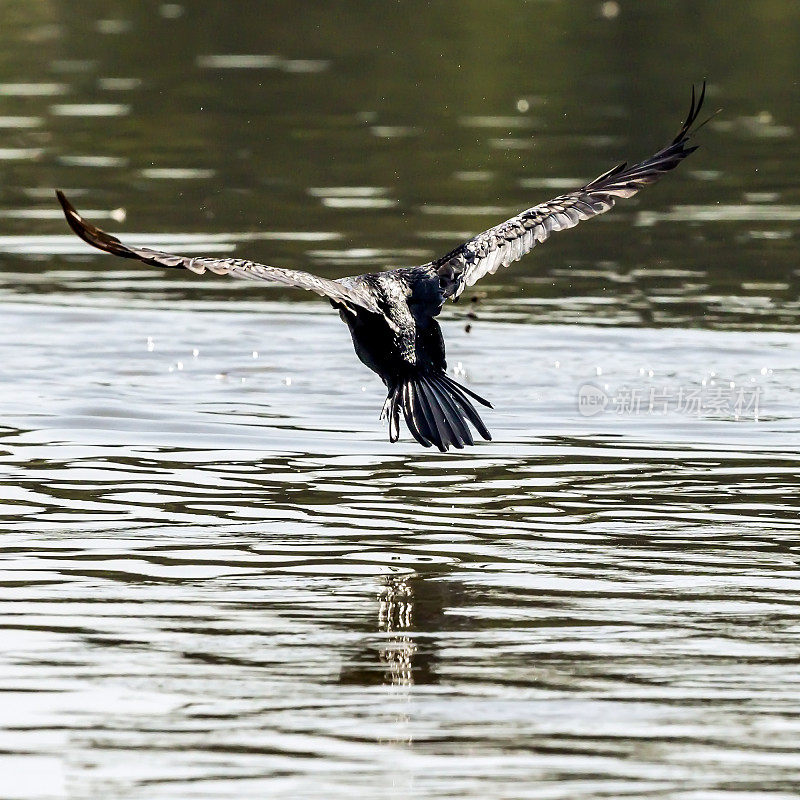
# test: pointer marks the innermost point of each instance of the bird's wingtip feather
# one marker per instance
(89, 233)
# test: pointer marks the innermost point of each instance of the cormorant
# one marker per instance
(392, 315)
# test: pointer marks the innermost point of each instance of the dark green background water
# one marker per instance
(219, 580)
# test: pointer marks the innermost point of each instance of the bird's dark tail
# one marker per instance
(436, 410)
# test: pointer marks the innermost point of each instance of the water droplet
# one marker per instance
(610, 9)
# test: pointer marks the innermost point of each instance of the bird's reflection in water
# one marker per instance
(396, 616)
(410, 612)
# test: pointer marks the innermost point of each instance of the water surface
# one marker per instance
(218, 577)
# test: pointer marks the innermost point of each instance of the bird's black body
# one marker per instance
(392, 315)
(397, 337)
(403, 344)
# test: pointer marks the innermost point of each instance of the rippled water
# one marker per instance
(219, 579)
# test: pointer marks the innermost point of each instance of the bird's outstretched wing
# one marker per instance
(348, 295)
(512, 239)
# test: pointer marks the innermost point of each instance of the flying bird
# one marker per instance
(392, 314)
